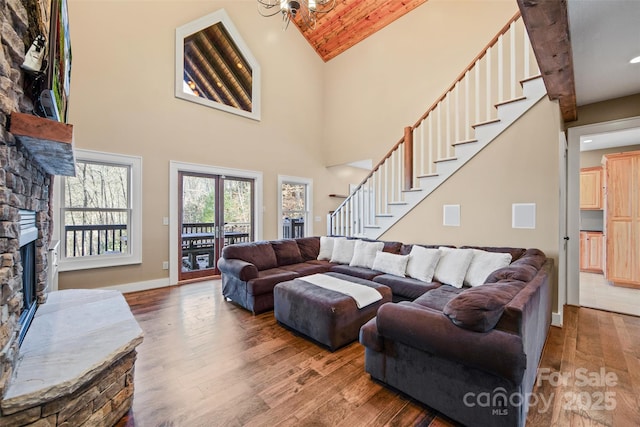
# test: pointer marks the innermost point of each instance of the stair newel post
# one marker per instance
(408, 158)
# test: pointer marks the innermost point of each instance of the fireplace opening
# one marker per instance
(28, 236)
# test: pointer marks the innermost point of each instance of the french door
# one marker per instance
(213, 211)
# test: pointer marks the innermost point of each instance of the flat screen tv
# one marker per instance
(53, 96)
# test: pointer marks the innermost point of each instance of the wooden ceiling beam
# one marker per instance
(547, 24)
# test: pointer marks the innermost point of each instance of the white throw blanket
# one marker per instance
(362, 295)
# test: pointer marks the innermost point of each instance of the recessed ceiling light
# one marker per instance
(586, 141)
(635, 60)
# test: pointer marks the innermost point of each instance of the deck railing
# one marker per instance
(86, 240)
(493, 77)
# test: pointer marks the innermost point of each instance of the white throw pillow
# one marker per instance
(364, 253)
(453, 266)
(343, 251)
(326, 247)
(422, 263)
(391, 263)
(484, 263)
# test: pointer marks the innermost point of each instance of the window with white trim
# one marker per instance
(295, 197)
(99, 211)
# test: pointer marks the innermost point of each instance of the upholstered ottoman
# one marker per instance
(329, 317)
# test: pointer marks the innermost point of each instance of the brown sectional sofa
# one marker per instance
(250, 271)
(449, 348)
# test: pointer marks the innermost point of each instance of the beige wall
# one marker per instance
(386, 82)
(122, 101)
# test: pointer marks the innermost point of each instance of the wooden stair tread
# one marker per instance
(371, 226)
(412, 190)
(428, 175)
(446, 159)
(384, 216)
(528, 79)
(488, 122)
(510, 101)
(466, 141)
(397, 203)
(341, 196)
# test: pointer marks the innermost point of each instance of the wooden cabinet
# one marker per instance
(591, 188)
(622, 174)
(591, 251)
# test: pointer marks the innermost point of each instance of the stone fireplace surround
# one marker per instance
(95, 389)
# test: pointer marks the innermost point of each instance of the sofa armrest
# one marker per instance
(236, 267)
(429, 330)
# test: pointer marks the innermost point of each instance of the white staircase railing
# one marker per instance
(493, 78)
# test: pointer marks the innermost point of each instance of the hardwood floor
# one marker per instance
(207, 362)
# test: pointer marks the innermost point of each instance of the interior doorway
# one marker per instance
(212, 207)
(588, 284)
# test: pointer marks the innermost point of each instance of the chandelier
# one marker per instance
(307, 10)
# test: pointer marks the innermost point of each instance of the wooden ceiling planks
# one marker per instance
(548, 28)
(351, 21)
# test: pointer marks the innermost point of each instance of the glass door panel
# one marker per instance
(238, 210)
(198, 240)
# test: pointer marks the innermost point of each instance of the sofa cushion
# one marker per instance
(479, 309)
(391, 263)
(287, 252)
(405, 287)
(439, 297)
(343, 251)
(364, 253)
(521, 272)
(514, 252)
(533, 257)
(260, 254)
(406, 249)
(267, 279)
(307, 268)
(453, 266)
(483, 264)
(326, 247)
(422, 263)
(309, 247)
(361, 272)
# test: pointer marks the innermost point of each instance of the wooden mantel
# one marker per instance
(48, 141)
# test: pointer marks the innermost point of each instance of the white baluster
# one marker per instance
(385, 185)
(477, 83)
(500, 70)
(439, 125)
(422, 149)
(512, 58)
(488, 100)
(457, 112)
(525, 39)
(448, 125)
(431, 147)
(467, 125)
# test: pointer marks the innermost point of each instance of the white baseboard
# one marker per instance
(556, 319)
(140, 286)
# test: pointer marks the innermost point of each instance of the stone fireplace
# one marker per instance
(24, 186)
(48, 373)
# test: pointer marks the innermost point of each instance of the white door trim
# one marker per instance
(174, 168)
(573, 197)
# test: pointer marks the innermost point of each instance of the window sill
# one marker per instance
(87, 263)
